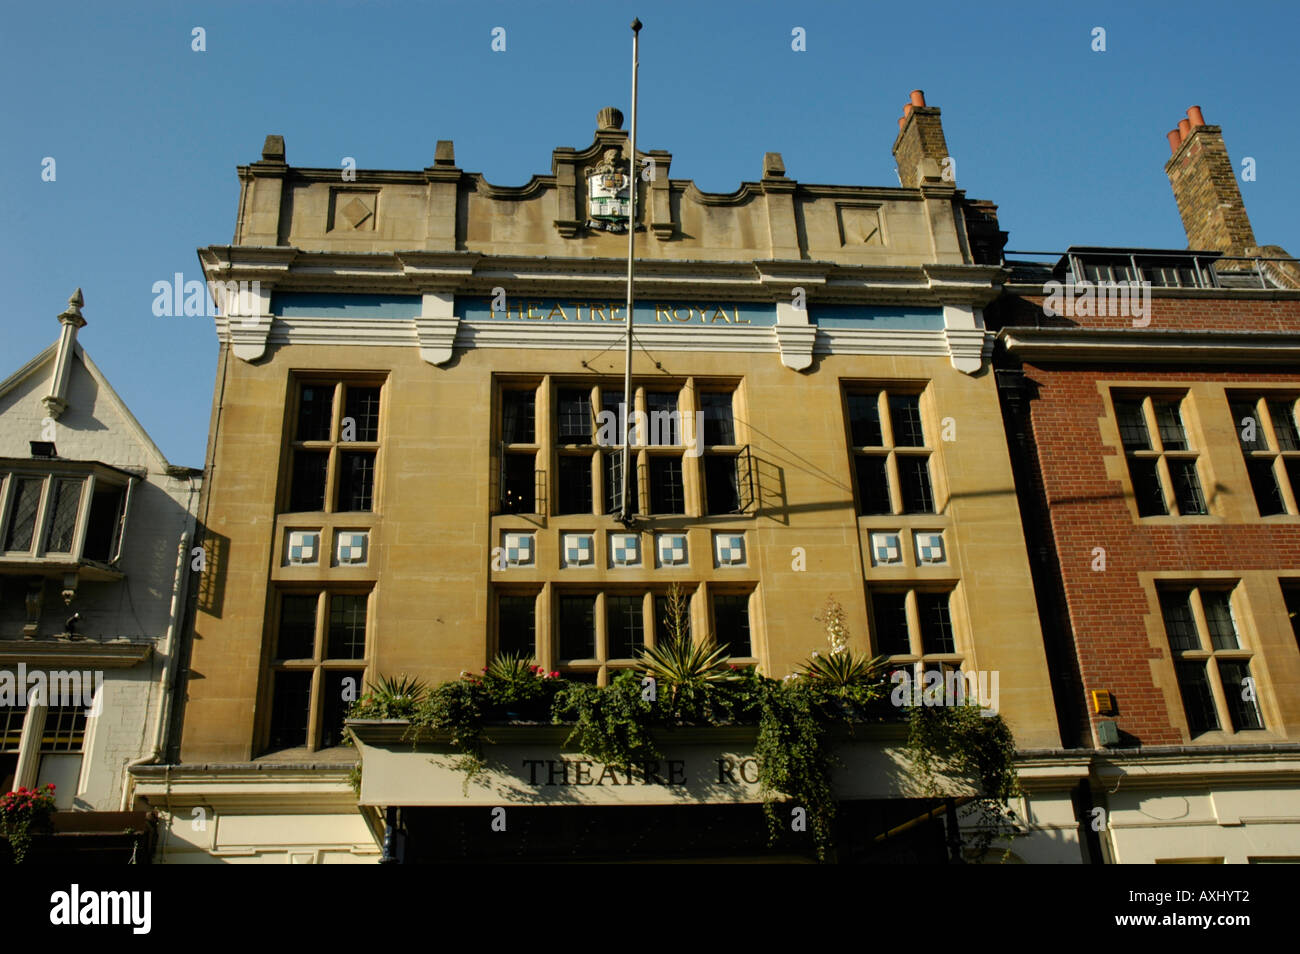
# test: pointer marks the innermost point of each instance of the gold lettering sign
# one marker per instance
(664, 313)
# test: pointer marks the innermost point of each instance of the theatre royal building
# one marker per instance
(403, 478)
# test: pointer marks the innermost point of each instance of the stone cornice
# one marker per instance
(1146, 346)
(74, 653)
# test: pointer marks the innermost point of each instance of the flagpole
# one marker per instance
(625, 514)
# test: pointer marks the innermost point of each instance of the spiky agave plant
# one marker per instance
(395, 697)
(843, 669)
(680, 666)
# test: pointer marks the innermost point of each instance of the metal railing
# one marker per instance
(1146, 266)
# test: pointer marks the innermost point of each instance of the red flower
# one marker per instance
(556, 674)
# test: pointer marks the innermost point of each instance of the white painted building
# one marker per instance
(95, 529)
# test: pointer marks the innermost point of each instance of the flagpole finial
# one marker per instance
(636, 25)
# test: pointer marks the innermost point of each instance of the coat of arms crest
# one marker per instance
(609, 194)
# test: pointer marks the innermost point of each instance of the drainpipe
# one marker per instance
(169, 671)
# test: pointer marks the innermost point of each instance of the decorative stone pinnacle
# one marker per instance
(273, 149)
(609, 118)
(72, 314)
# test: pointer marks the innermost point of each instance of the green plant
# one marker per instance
(612, 725)
(516, 682)
(19, 811)
(395, 697)
(683, 670)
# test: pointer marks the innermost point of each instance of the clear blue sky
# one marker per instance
(146, 133)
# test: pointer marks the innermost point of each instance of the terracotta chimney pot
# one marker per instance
(1184, 128)
(1175, 140)
(1194, 114)
(918, 97)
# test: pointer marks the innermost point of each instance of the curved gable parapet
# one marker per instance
(531, 189)
(747, 192)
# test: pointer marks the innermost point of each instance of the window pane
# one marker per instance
(347, 633)
(665, 428)
(1292, 467)
(22, 516)
(612, 462)
(1132, 425)
(361, 404)
(577, 627)
(1198, 701)
(936, 623)
(914, 478)
(341, 687)
(519, 484)
(1176, 607)
(1263, 481)
(1250, 430)
(574, 480)
(308, 489)
(516, 626)
(1170, 422)
(721, 484)
(864, 420)
(731, 623)
(719, 426)
(624, 626)
(905, 416)
(873, 485)
(575, 417)
(517, 416)
(1187, 486)
(1284, 426)
(1218, 617)
(65, 729)
(103, 524)
(1146, 487)
(297, 636)
(666, 493)
(315, 412)
(356, 481)
(63, 522)
(889, 623)
(664, 623)
(616, 420)
(290, 709)
(1241, 694)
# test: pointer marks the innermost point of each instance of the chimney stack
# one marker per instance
(920, 148)
(1205, 187)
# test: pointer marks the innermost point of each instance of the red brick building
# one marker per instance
(1156, 438)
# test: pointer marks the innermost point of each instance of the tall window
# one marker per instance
(722, 455)
(334, 448)
(1291, 598)
(517, 624)
(519, 447)
(318, 666)
(1270, 443)
(1213, 668)
(891, 458)
(731, 623)
(1161, 461)
(915, 625)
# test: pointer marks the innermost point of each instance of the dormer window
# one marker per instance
(57, 512)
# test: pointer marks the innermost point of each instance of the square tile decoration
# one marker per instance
(351, 547)
(671, 548)
(886, 549)
(929, 547)
(578, 549)
(624, 549)
(729, 548)
(304, 547)
(518, 548)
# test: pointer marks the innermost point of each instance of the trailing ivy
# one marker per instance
(969, 742)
